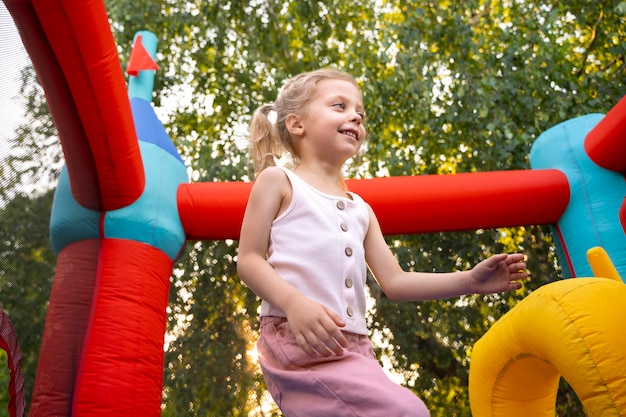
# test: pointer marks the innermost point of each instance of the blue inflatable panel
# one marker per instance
(69, 221)
(592, 216)
(153, 219)
(149, 127)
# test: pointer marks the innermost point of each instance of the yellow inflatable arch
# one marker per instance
(575, 328)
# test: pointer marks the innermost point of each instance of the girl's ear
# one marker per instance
(293, 124)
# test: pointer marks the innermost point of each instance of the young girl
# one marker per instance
(305, 246)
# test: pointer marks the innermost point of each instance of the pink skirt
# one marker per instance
(351, 385)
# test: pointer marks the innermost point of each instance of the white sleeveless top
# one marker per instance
(316, 245)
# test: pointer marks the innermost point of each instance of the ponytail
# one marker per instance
(265, 144)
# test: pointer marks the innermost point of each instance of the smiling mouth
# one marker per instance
(349, 133)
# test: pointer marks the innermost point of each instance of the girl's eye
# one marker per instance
(340, 105)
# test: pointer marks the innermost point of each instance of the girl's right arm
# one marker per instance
(270, 191)
(314, 326)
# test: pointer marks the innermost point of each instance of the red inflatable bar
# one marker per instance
(606, 143)
(412, 204)
(98, 135)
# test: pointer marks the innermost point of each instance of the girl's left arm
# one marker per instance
(498, 273)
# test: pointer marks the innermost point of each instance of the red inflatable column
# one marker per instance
(121, 371)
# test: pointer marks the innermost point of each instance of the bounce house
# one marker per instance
(124, 208)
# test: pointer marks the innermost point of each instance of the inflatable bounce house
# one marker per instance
(124, 208)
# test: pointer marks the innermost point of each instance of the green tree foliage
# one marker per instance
(27, 260)
(449, 86)
(35, 158)
(26, 270)
(208, 368)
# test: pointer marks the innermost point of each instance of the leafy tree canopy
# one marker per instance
(449, 87)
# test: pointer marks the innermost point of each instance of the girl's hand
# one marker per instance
(316, 328)
(498, 273)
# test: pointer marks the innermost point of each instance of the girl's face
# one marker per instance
(333, 123)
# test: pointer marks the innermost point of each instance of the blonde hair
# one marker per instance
(269, 140)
